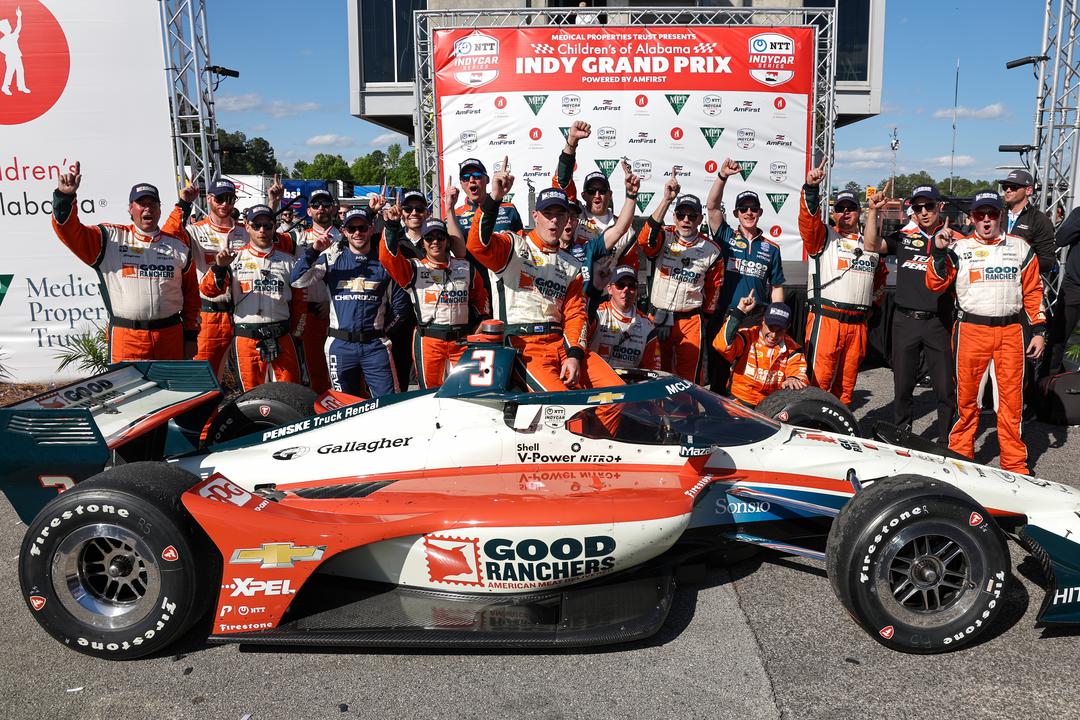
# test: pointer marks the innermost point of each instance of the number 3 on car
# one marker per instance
(485, 358)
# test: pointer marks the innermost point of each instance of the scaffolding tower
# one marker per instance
(191, 92)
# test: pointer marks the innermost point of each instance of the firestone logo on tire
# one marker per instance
(36, 61)
(476, 59)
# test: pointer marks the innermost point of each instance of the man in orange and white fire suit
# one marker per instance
(265, 307)
(539, 292)
(620, 333)
(996, 276)
(147, 276)
(441, 288)
(841, 288)
(686, 281)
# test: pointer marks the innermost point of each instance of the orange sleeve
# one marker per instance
(88, 243)
(491, 249)
(811, 228)
(210, 287)
(649, 238)
(941, 270)
(630, 258)
(189, 285)
(795, 367)
(1031, 283)
(285, 243)
(478, 295)
(400, 267)
(575, 318)
(650, 356)
(174, 225)
(714, 280)
(729, 342)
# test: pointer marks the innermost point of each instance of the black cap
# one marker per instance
(1019, 177)
(413, 195)
(320, 195)
(258, 210)
(596, 176)
(221, 186)
(747, 198)
(576, 207)
(550, 197)
(930, 192)
(141, 190)
(986, 198)
(433, 225)
(623, 272)
(690, 201)
(471, 163)
(846, 196)
(778, 314)
(357, 213)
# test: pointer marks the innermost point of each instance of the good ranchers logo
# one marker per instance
(536, 102)
(676, 101)
(712, 134)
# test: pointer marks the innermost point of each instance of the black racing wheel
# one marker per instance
(810, 407)
(262, 408)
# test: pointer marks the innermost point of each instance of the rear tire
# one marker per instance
(263, 408)
(810, 407)
(116, 568)
(918, 563)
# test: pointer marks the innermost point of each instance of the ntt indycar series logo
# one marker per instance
(772, 58)
(476, 60)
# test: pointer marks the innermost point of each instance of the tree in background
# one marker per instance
(241, 155)
(855, 188)
(961, 187)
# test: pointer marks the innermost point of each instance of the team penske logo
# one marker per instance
(131, 270)
(1001, 273)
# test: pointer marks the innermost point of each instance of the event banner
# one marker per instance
(664, 98)
(83, 81)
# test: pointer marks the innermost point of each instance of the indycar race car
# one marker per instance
(481, 515)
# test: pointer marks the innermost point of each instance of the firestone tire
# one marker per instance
(811, 408)
(262, 408)
(115, 567)
(918, 563)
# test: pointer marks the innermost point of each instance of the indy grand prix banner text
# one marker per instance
(659, 96)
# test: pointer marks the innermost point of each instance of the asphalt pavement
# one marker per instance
(764, 638)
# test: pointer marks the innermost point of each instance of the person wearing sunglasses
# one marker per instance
(922, 318)
(441, 288)
(265, 308)
(997, 282)
(1027, 221)
(620, 333)
(474, 183)
(841, 285)
(322, 209)
(216, 232)
(763, 357)
(364, 303)
(688, 274)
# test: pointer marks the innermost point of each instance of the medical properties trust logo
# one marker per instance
(35, 58)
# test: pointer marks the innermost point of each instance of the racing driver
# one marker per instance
(841, 279)
(996, 276)
(147, 276)
(322, 210)
(623, 335)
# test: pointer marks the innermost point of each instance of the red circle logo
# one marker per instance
(710, 167)
(779, 103)
(36, 60)
(775, 231)
(535, 134)
(500, 102)
(676, 133)
(641, 100)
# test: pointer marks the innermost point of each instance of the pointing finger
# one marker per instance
(506, 164)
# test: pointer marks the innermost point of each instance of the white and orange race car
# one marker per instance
(481, 515)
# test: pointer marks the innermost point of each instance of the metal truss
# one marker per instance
(191, 93)
(428, 21)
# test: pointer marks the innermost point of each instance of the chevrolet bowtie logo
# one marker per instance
(606, 397)
(276, 555)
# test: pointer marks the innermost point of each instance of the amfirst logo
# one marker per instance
(35, 58)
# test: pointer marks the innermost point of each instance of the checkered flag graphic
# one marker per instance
(702, 48)
(542, 48)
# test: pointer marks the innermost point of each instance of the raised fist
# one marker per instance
(817, 174)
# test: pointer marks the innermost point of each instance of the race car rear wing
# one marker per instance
(54, 440)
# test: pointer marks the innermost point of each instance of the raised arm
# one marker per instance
(453, 227)
(88, 243)
(492, 249)
(626, 216)
(714, 203)
(941, 271)
(811, 228)
(872, 239)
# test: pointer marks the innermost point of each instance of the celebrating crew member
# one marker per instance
(322, 210)
(360, 292)
(752, 261)
(474, 182)
(540, 296)
(922, 318)
(841, 281)
(686, 282)
(621, 334)
(207, 237)
(148, 277)
(265, 309)
(996, 276)
(440, 287)
(763, 357)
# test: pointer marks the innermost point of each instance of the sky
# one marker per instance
(294, 82)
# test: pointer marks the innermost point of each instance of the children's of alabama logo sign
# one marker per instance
(34, 60)
(772, 58)
(476, 59)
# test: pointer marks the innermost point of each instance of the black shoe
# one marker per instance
(925, 382)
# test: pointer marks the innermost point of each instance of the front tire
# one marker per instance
(262, 408)
(116, 568)
(918, 563)
(810, 407)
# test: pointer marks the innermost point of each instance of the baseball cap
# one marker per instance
(778, 314)
(576, 207)
(1019, 177)
(141, 190)
(413, 195)
(433, 225)
(929, 192)
(550, 197)
(846, 196)
(320, 195)
(357, 213)
(986, 198)
(221, 186)
(472, 163)
(258, 210)
(747, 198)
(596, 177)
(623, 272)
(690, 201)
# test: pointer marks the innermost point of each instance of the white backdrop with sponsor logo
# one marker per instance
(97, 94)
(662, 97)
